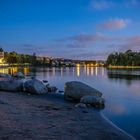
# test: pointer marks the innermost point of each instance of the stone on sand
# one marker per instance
(76, 90)
(35, 86)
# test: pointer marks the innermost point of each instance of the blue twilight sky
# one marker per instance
(78, 29)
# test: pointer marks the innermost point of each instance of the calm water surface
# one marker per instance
(122, 92)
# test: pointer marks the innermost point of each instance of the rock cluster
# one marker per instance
(17, 82)
(78, 91)
(74, 90)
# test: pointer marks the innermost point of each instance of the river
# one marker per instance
(120, 88)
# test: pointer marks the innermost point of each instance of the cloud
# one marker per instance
(132, 42)
(82, 46)
(134, 39)
(106, 4)
(84, 38)
(101, 4)
(90, 55)
(117, 23)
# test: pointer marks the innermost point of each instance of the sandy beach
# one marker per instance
(49, 117)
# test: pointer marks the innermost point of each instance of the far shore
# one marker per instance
(123, 67)
(29, 65)
(47, 117)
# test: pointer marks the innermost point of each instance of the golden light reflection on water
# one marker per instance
(4, 71)
(89, 70)
(79, 70)
(26, 71)
(13, 70)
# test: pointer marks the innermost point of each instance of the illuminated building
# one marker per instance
(1, 57)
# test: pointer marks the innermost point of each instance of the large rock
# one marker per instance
(93, 101)
(35, 86)
(75, 90)
(11, 85)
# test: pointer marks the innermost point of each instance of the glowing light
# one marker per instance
(1, 60)
(78, 70)
(13, 70)
(91, 65)
(4, 70)
(26, 71)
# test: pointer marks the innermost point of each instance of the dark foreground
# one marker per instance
(49, 117)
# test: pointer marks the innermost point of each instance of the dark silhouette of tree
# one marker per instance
(127, 58)
(1, 49)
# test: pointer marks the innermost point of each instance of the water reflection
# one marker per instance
(46, 72)
(114, 75)
(12, 70)
(89, 71)
(117, 109)
(126, 75)
(26, 70)
(72, 71)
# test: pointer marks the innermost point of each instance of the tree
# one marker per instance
(1, 50)
(127, 58)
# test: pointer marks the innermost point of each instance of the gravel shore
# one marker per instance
(49, 117)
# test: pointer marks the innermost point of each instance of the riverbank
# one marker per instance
(123, 67)
(27, 117)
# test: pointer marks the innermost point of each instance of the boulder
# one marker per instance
(75, 90)
(11, 85)
(35, 86)
(93, 101)
(19, 75)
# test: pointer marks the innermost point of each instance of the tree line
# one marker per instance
(13, 57)
(128, 58)
(16, 58)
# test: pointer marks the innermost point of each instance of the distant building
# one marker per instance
(1, 56)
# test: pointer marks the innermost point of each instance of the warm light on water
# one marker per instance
(78, 69)
(26, 71)
(121, 92)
